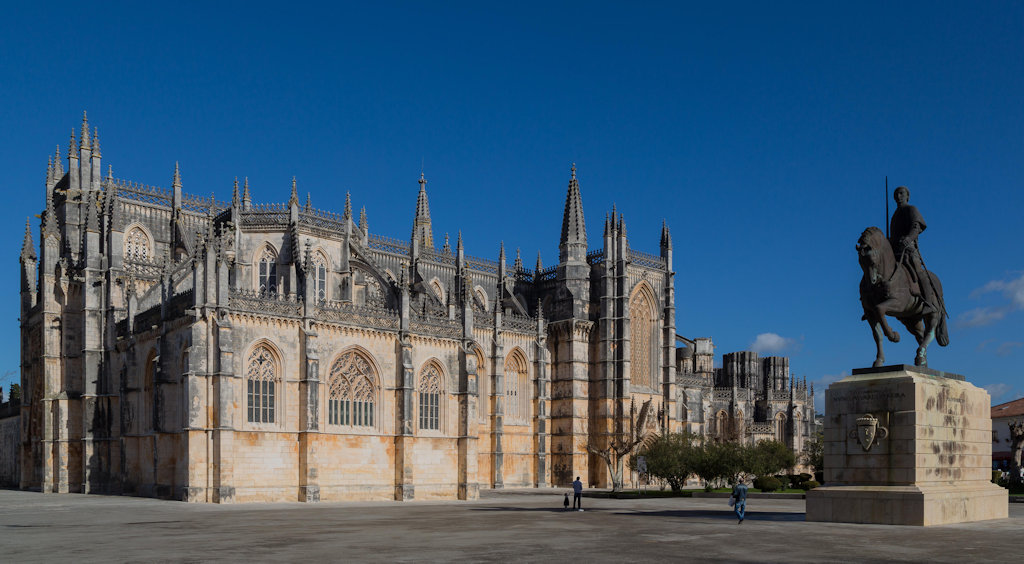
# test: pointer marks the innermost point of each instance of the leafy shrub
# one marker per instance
(804, 476)
(783, 480)
(996, 476)
(809, 485)
(767, 483)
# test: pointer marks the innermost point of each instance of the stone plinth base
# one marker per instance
(907, 505)
(907, 446)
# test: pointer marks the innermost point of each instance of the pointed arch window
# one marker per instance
(641, 325)
(268, 271)
(780, 427)
(261, 375)
(517, 389)
(136, 245)
(429, 393)
(319, 275)
(352, 391)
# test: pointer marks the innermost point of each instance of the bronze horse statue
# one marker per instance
(890, 288)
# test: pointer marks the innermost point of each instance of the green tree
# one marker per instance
(715, 461)
(671, 457)
(14, 395)
(768, 457)
(813, 454)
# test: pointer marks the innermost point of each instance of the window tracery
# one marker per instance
(517, 389)
(352, 391)
(319, 274)
(430, 398)
(261, 385)
(268, 271)
(136, 245)
(641, 323)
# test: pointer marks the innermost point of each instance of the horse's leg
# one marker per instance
(925, 333)
(878, 334)
(880, 310)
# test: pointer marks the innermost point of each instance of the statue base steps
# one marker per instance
(907, 446)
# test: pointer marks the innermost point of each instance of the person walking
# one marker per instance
(577, 494)
(739, 494)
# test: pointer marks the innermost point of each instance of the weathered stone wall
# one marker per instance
(10, 437)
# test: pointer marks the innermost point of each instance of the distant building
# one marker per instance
(750, 398)
(1002, 415)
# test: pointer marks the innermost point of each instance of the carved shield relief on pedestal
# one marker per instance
(868, 431)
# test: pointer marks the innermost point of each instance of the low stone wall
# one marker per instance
(10, 434)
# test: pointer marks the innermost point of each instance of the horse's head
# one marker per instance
(875, 255)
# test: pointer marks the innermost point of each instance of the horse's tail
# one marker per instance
(942, 331)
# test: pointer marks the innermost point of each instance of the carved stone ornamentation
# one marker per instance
(868, 431)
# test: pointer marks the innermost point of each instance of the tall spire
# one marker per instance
(72, 145)
(458, 243)
(573, 243)
(234, 194)
(364, 223)
(58, 167)
(246, 200)
(540, 265)
(309, 201)
(96, 142)
(85, 131)
(447, 248)
(294, 199)
(176, 181)
(28, 249)
(110, 172)
(519, 260)
(49, 172)
(348, 205)
(421, 223)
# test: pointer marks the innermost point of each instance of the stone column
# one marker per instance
(404, 439)
(226, 384)
(498, 414)
(309, 421)
(541, 478)
(468, 440)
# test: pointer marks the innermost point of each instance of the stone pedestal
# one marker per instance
(906, 445)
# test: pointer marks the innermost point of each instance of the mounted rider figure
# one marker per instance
(907, 223)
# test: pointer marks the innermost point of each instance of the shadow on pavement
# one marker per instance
(726, 515)
(546, 509)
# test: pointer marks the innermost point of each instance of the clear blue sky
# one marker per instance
(761, 132)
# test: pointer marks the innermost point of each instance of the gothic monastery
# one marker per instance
(184, 347)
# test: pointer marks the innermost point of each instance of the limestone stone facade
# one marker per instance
(228, 351)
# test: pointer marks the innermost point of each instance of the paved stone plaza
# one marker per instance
(506, 526)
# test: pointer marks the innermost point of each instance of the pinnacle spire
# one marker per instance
(421, 223)
(234, 194)
(294, 199)
(110, 172)
(364, 224)
(58, 167)
(176, 181)
(96, 142)
(574, 229)
(246, 200)
(309, 201)
(540, 265)
(28, 249)
(72, 145)
(49, 171)
(447, 249)
(348, 205)
(501, 254)
(458, 243)
(85, 130)
(519, 260)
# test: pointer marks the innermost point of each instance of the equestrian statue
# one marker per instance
(896, 282)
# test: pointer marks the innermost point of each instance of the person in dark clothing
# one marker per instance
(565, 503)
(577, 494)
